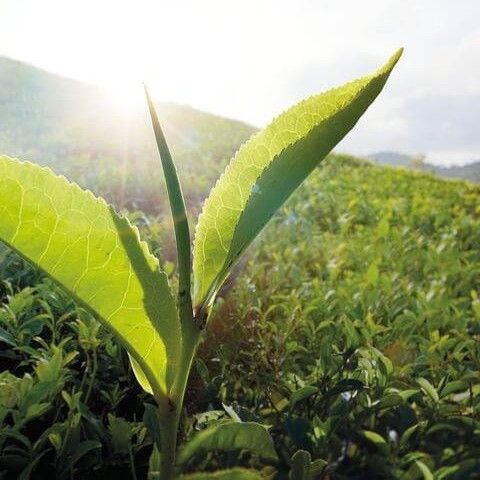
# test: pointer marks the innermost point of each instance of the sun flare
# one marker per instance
(127, 96)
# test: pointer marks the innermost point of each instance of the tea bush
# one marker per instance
(352, 330)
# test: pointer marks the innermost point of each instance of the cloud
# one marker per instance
(445, 127)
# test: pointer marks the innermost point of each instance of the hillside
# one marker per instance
(351, 328)
(79, 129)
(470, 171)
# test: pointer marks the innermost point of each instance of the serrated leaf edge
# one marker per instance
(143, 246)
(388, 66)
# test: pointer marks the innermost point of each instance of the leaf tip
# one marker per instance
(395, 58)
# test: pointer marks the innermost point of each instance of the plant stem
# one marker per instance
(190, 332)
(86, 371)
(169, 423)
(171, 420)
(132, 463)
(92, 376)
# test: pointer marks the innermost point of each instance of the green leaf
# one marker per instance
(407, 434)
(36, 410)
(97, 256)
(231, 474)
(446, 472)
(154, 464)
(80, 451)
(177, 206)
(317, 467)
(229, 437)
(453, 387)
(267, 169)
(372, 274)
(302, 394)
(120, 433)
(426, 472)
(374, 437)
(48, 371)
(140, 375)
(152, 423)
(301, 461)
(428, 388)
(406, 394)
(390, 401)
(7, 337)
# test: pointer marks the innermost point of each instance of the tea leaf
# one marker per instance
(428, 388)
(301, 461)
(229, 437)
(426, 472)
(302, 394)
(150, 420)
(267, 169)
(120, 433)
(231, 474)
(373, 437)
(372, 274)
(96, 255)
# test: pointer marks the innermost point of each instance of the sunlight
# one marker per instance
(127, 96)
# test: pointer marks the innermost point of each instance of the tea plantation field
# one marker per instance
(352, 330)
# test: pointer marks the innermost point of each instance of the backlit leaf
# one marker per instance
(97, 256)
(267, 169)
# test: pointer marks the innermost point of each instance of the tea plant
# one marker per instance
(97, 257)
(311, 342)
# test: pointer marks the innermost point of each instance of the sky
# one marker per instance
(251, 59)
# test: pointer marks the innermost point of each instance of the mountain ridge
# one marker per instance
(44, 114)
(78, 129)
(469, 171)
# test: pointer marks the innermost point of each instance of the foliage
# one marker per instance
(368, 405)
(371, 369)
(267, 169)
(291, 303)
(98, 258)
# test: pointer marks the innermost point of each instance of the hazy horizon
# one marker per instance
(252, 60)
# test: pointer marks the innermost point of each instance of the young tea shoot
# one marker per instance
(96, 255)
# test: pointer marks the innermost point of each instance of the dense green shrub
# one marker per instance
(355, 335)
